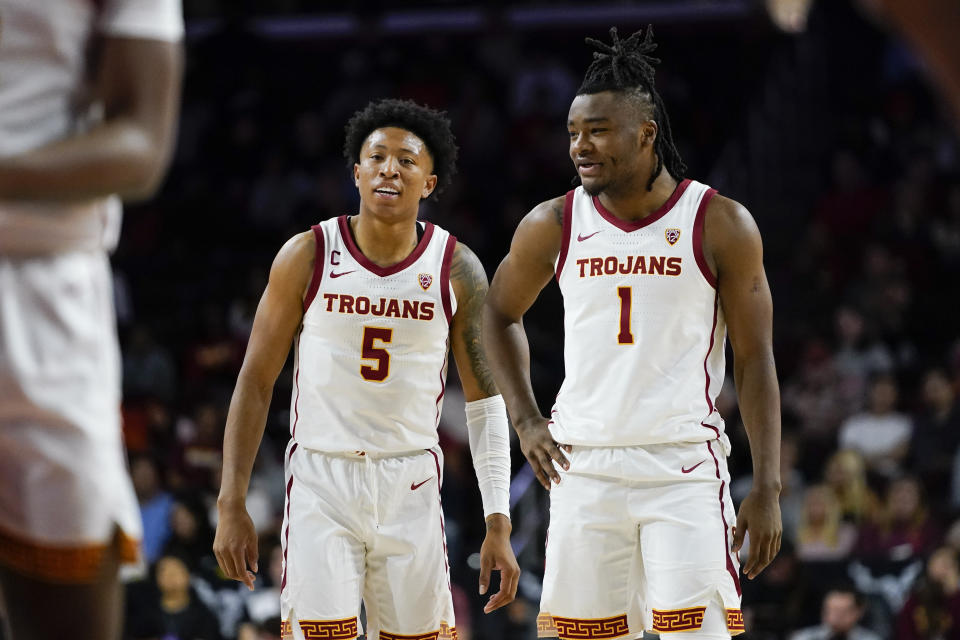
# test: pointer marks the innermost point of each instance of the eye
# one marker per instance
(573, 134)
(407, 161)
(376, 156)
(597, 130)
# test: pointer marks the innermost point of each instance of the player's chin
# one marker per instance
(593, 186)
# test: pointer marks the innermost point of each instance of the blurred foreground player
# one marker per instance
(654, 269)
(89, 93)
(372, 303)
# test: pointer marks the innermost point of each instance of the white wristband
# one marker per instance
(490, 448)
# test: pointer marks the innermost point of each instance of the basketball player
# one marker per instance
(372, 303)
(654, 270)
(89, 93)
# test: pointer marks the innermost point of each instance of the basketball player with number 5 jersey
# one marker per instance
(655, 269)
(372, 304)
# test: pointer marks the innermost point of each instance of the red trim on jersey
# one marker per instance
(445, 276)
(698, 238)
(633, 225)
(286, 534)
(706, 372)
(296, 384)
(443, 382)
(443, 530)
(318, 262)
(726, 536)
(375, 269)
(567, 230)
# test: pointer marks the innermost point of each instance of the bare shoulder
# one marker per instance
(547, 214)
(728, 221)
(294, 262)
(466, 270)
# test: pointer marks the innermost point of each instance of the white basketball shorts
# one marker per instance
(65, 493)
(640, 538)
(359, 526)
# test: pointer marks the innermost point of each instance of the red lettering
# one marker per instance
(426, 311)
(673, 266)
(610, 265)
(640, 266)
(363, 305)
(346, 303)
(410, 309)
(330, 298)
(625, 268)
(377, 310)
(596, 267)
(582, 263)
(393, 309)
(656, 265)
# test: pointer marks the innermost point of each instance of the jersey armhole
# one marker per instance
(567, 229)
(698, 225)
(445, 277)
(317, 268)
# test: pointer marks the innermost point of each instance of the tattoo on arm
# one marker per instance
(557, 208)
(468, 272)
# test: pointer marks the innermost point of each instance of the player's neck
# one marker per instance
(636, 203)
(384, 243)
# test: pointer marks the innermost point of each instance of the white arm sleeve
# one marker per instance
(490, 448)
(146, 19)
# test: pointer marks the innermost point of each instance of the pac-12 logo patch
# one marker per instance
(672, 236)
(425, 280)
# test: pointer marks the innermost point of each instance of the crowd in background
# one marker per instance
(867, 328)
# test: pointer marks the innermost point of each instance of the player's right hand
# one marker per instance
(542, 450)
(236, 545)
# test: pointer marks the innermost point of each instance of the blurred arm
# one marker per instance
(138, 81)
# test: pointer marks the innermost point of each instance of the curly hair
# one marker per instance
(430, 125)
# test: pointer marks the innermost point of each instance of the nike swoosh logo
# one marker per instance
(685, 470)
(414, 487)
(581, 237)
(337, 275)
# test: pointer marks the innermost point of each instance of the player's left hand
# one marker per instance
(760, 515)
(497, 554)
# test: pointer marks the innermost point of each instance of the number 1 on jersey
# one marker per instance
(626, 301)
(368, 351)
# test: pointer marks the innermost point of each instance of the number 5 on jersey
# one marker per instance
(369, 351)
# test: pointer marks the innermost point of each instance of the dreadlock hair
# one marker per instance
(626, 67)
(430, 125)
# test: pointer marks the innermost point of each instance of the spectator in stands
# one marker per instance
(156, 504)
(843, 607)
(822, 534)
(933, 609)
(191, 535)
(880, 434)
(846, 475)
(937, 430)
(903, 528)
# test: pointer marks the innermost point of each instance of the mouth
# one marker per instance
(588, 168)
(386, 193)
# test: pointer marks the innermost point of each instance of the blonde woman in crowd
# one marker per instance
(822, 534)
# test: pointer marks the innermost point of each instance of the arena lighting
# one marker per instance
(453, 20)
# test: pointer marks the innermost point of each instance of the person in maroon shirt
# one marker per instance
(903, 528)
(933, 609)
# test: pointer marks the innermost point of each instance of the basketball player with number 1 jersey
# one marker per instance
(655, 270)
(372, 304)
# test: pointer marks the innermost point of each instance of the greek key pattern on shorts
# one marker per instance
(446, 632)
(286, 630)
(545, 626)
(735, 621)
(678, 619)
(345, 629)
(589, 628)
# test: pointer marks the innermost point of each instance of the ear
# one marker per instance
(356, 175)
(647, 133)
(428, 186)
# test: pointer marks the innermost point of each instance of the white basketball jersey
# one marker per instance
(45, 95)
(371, 355)
(644, 332)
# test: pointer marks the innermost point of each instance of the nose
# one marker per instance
(390, 167)
(579, 144)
